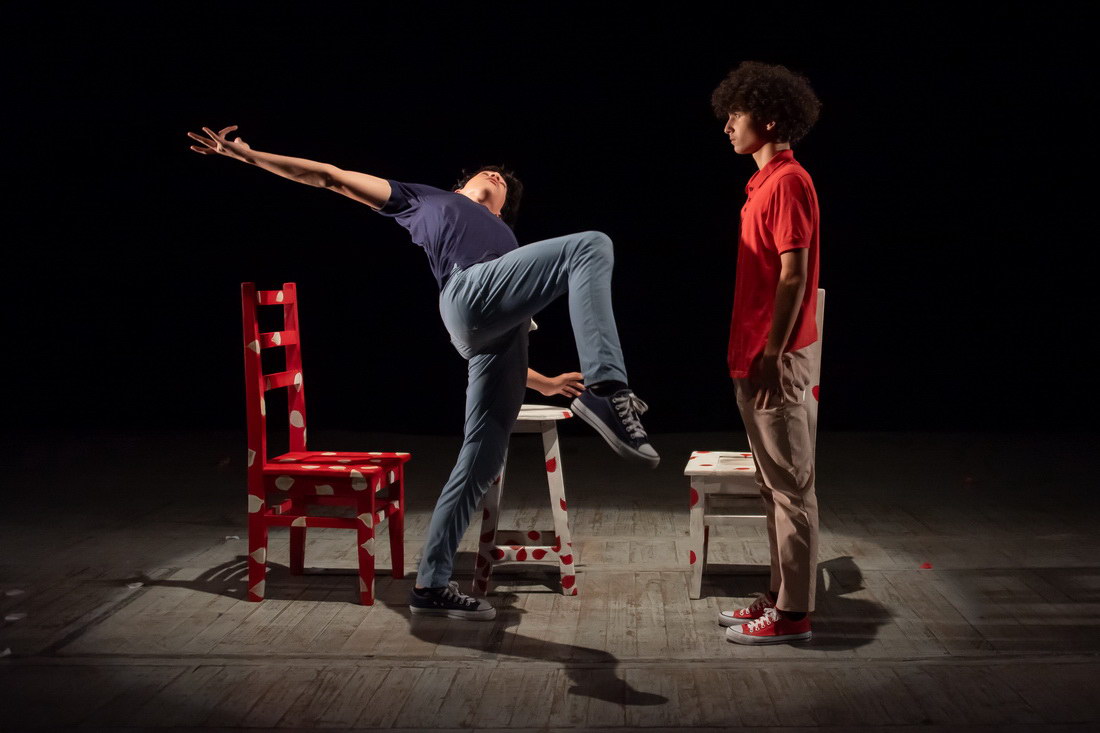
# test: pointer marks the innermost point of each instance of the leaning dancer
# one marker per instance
(490, 288)
(766, 109)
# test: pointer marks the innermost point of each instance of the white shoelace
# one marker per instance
(451, 593)
(770, 617)
(629, 408)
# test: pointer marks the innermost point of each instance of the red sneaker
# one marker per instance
(753, 611)
(771, 628)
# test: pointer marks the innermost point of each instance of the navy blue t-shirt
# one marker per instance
(452, 229)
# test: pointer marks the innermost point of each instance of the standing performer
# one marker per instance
(767, 109)
(490, 288)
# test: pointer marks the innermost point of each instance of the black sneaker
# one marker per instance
(447, 601)
(615, 417)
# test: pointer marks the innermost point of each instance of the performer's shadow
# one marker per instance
(593, 672)
(839, 621)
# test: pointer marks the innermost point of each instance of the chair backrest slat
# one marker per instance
(274, 297)
(282, 379)
(278, 338)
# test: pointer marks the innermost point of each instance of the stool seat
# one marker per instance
(507, 545)
(720, 464)
(532, 417)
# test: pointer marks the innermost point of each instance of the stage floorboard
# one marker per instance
(958, 589)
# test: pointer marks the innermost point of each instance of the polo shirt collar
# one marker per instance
(779, 159)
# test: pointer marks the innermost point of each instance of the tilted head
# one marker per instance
(762, 103)
(495, 187)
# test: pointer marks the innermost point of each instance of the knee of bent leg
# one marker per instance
(598, 243)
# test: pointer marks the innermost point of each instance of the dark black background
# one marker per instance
(951, 160)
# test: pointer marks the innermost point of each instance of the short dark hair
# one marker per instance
(510, 210)
(769, 93)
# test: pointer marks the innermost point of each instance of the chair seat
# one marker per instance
(317, 479)
(326, 457)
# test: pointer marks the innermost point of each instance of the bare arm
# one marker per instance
(370, 190)
(788, 298)
(569, 384)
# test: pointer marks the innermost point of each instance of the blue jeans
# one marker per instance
(487, 309)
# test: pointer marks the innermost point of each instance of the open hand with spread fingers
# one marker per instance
(217, 143)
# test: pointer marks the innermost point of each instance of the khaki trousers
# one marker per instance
(782, 441)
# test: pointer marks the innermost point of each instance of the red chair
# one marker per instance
(373, 483)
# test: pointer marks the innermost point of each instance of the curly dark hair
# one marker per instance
(510, 210)
(769, 93)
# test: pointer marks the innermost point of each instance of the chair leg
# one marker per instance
(563, 540)
(486, 552)
(257, 546)
(697, 546)
(297, 550)
(365, 548)
(396, 529)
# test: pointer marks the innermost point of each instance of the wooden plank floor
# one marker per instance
(124, 610)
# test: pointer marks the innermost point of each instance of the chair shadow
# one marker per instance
(230, 579)
(593, 672)
(839, 622)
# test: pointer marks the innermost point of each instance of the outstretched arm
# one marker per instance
(370, 190)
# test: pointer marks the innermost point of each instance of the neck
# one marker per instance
(480, 196)
(767, 151)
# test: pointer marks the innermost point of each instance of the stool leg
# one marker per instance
(257, 544)
(697, 545)
(487, 552)
(563, 541)
(396, 528)
(365, 547)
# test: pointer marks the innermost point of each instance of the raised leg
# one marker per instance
(563, 540)
(365, 546)
(502, 294)
(257, 543)
(697, 547)
(490, 516)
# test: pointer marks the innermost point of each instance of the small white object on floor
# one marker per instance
(6, 652)
(134, 586)
(15, 616)
(14, 592)
(232, 537)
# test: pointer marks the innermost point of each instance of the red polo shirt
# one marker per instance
(780, 214)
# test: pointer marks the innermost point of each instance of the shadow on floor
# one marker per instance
(593, 672)
(230, 579)
(839, 622)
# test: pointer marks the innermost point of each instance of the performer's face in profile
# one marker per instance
(745, 134)
(487, 188)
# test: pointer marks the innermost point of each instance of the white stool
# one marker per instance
(506, 545)
(733, 474)
(721, 473)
